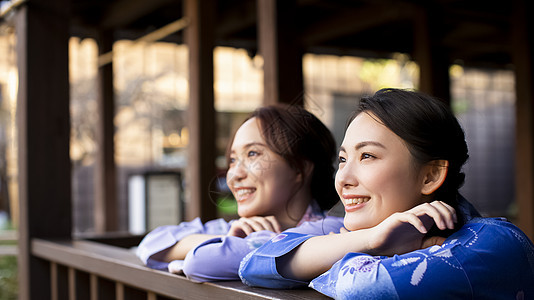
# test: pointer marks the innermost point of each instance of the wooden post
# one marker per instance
(430, 56)
(42, 32)
(105, 201)
(523, 56)
(201, 113)
(281, 50)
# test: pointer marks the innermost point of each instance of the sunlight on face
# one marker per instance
(261, 181)
(376, 175)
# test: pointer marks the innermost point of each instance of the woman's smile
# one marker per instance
(354, 202)
(243, 194)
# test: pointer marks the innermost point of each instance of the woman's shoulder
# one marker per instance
(495, 240)
(501, 227)
(492, 230)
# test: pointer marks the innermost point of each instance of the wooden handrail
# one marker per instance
(122, 266)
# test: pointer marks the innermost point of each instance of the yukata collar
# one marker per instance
(313, 213)
(467, 210)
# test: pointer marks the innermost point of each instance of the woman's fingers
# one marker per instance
(239, 229)
(447, 211)
(274, 224)
(255, 224)
(247, 226)
(414, 220)
(444, 215)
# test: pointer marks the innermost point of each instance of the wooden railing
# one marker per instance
(81, 269)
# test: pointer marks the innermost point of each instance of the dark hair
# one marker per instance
(429, 129)
(298, 136)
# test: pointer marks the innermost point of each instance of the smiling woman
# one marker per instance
(408, 233)
(276, 160)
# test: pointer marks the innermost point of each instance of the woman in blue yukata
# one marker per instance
(278, 160)
(407, 232)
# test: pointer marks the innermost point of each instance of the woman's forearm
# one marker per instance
(316, 255)
(180, 249)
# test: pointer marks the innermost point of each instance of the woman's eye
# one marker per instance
(231, 161)
(252, 153)
(366, 156)
(341, 159)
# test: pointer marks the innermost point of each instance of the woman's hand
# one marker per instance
(245, 226)
(404, 232)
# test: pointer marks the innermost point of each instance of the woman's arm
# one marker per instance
(399, 233)
(469, 265)
(219, 258)
(180, 249)
(316, 255)
(159, 243)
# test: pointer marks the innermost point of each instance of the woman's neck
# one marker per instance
(291, 215)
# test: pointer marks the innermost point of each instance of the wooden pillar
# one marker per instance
(429, 54)
(523, 57)
(105, 201)
(201, 113)
(281, 50)
(42, 32)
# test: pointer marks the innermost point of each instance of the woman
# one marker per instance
(278, 161)
(403, 152)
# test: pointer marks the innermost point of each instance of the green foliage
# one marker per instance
(227, 205)
(8, 277)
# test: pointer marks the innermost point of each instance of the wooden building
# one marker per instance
(435, 33)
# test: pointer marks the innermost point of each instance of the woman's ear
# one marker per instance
(435, 173)
(307, 171)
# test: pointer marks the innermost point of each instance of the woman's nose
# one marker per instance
(237, 172)
(346, 176)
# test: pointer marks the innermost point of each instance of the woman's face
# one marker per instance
(261, 181)
(376, 176)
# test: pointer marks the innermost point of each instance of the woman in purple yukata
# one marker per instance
(407, 233)
(279, 161)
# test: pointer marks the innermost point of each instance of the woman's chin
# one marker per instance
(354, 225)
(245, 212)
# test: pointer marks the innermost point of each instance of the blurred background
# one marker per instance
(151, 91)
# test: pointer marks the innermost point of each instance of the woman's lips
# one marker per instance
(243, 194)
(353, 202)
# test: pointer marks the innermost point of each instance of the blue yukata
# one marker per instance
(488, 258)
(215, 259)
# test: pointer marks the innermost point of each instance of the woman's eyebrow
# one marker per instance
(254, 144)
(369, 143)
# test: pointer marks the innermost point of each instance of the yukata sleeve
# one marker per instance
(480, 261)
(319, 227)
(258, 268)
(219, 258)
(165, 237)
(416, 275)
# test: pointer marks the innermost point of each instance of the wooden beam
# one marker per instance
(105, 201)
(201, 112)
(429, 54)
(235, 18)
(281, 50)
(42, 33)
(123, 12)
(354, 21)
(523, 56)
